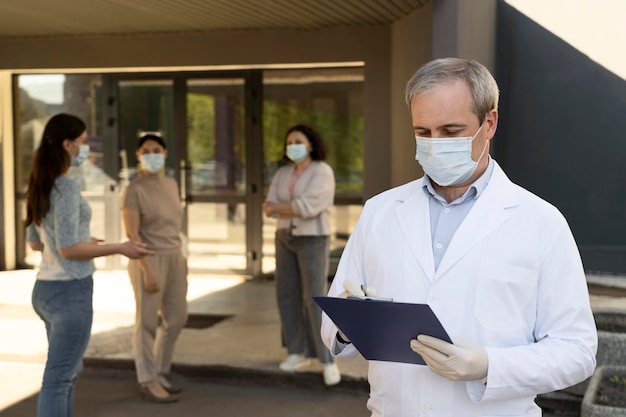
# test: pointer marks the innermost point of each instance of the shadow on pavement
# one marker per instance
(108, 393)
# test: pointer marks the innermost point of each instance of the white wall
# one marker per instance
(7, 200)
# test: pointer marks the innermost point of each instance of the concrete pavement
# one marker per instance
(233, 337)
(101, 394)
(241, 343)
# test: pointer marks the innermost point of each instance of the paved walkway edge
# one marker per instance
(235, 375)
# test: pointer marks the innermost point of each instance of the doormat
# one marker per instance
(203, 321)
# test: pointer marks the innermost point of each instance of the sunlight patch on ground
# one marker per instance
(114, 302)
(24, 336)
(201, 285)
(19, 381)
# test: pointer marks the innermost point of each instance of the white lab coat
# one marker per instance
(511, 280)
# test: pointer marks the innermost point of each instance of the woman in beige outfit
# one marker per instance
(153, 214)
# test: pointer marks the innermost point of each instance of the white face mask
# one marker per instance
(152, 162)
(297, 152)
(447, 161)
(83, 153)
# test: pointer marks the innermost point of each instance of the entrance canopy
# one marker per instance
(43, 18)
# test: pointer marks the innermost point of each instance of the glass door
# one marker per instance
(135, 106)
(214, 180)
(205, 121)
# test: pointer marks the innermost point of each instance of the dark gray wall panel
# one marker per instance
(562, 134)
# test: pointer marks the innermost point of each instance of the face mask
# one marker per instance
(297, 152)
(447, 161)
(152, 162)
(83, 153)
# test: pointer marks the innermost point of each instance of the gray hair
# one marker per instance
(482, 85)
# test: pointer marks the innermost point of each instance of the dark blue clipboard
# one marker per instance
(383, 330)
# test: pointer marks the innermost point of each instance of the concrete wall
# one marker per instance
(254, 48)
(440, 29)
(465, 29)
(561, 130)
(391, 55)
(411, 48)
(370, 46)
(195, 49)
(7, 206)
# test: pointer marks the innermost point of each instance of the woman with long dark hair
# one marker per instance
(57, 221)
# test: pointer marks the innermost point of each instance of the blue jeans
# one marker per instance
(66, 310)
(301, 273)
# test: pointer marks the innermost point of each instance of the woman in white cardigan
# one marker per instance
(300, 197)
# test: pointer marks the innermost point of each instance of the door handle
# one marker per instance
(183, 183)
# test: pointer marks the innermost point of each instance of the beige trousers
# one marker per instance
(160, 316)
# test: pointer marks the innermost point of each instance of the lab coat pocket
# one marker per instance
(503, 296)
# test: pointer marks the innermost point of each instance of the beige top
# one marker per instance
(156, 199)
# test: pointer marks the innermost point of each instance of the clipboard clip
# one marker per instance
(369, 297)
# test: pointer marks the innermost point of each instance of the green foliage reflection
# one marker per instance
(343, 135)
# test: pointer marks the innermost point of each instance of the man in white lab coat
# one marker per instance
(497, 264)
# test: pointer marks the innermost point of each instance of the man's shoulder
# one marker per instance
(527, 199)
(536, 202)
(399, 193)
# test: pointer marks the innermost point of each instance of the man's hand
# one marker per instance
(462, 361)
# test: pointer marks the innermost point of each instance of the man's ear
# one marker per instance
(492, 123)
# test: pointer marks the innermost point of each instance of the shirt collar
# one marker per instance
(474, 190)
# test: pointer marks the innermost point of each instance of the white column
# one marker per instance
(7, 174)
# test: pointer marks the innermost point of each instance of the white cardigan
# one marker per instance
(314, 193)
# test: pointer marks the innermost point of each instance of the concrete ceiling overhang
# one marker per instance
(63, 18)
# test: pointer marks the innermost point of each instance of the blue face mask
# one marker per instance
(297, 152)
(83, 153)
(152, 162)
(447, 161)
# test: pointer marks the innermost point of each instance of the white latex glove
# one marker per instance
(351, 288)
(462, 361)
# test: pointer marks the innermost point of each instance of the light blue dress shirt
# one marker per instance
(446, 218)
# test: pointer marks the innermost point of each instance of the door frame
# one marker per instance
(253, 108)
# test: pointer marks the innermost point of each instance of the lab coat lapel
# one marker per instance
(486, 216)
(413, 215)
